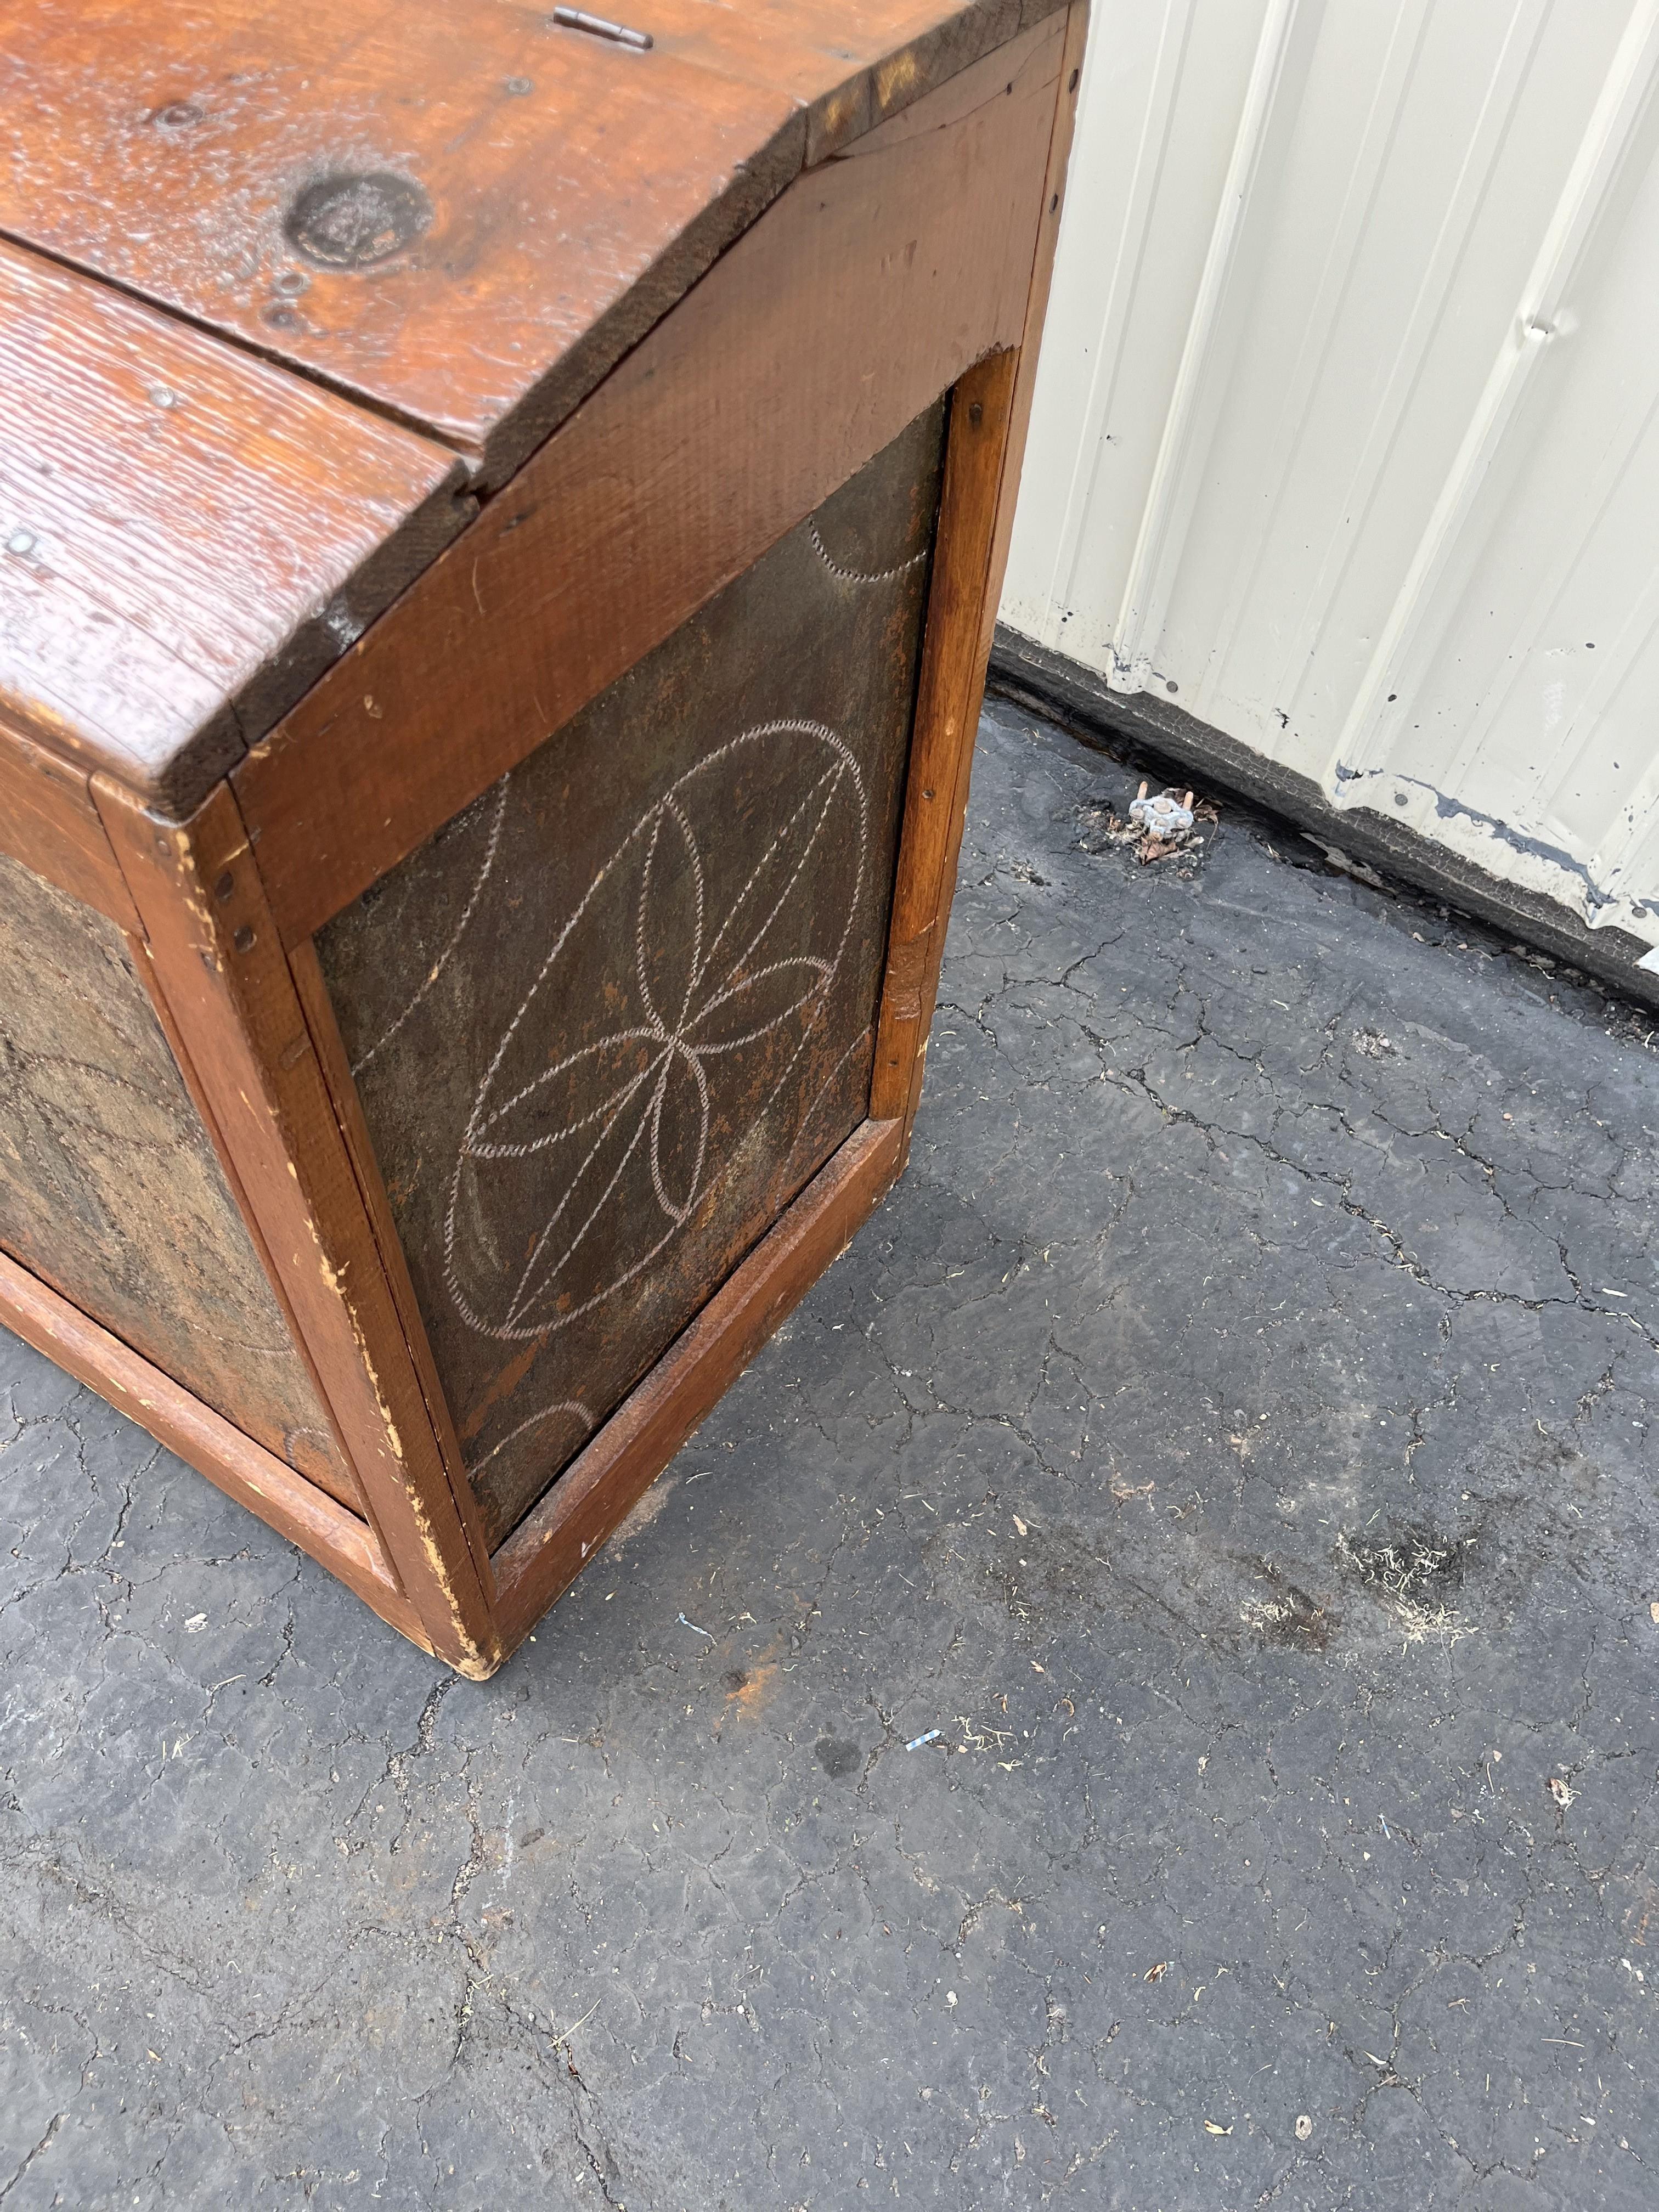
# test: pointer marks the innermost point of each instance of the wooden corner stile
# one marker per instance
(221, 971)
(244, 1470)
(330, 1052)
(341, 1483)
(990, 410)
(48, 821)
(549, 1550)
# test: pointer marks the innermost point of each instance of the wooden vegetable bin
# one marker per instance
(500, 520)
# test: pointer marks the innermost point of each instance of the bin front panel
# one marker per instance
(608, 1021)
(110, 1190)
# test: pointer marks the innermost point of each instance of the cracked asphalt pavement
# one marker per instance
(1174, 1722)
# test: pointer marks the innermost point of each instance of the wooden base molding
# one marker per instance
(215, 1447)
(599, 1490)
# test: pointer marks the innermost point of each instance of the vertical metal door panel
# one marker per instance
(1347, 428)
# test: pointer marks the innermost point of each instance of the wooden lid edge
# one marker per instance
(756, 183)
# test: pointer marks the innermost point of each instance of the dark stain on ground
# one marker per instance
(1544, 1453)
(837, 1757)
(1417, 1564)
(733, 1679)
(1049, 1564)
(1290, 1617)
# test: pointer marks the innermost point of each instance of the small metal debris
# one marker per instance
(1162, 815)
(917, 1742)
(600, 27)
(1158, 825)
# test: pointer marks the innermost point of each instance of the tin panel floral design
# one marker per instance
(110, 1188)
(614, 1016)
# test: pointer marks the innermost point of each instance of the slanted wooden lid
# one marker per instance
(188, 536)
(458, 212)
(455, 214)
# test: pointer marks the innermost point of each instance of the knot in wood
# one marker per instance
(354, 221)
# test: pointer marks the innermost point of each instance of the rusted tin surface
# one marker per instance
(610, 1020)
(110, 1188)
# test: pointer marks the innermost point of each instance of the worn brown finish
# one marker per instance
(549, 1552)
(460, 215)
(109, 1186)
(336, 1475)
(541, 998)
(990, 416)
(48, 821)
(850, 65)
(947, 715)
(326, 1042)
(792, 355)
(227, 987)
(610, 1019)
(255, 1478)
(187, 537)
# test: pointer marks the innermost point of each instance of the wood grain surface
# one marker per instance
(847, 309)
(991, 412)
(460, 214)
(48, 821)
(463, 215)
(850, 63)
(110, 1190)
(947, 715)
(336, 1068)
(606, 1024)
(228, 989)
(187, 537)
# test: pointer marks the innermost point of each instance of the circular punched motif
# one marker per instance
(356, 222)
(682, 989)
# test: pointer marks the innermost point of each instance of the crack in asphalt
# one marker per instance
(1075, 1458)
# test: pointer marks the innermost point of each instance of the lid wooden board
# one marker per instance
(430, 207)
(456, 211)
(188, 537)
(851, 63)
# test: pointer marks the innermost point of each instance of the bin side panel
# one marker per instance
(110, 1190)
(610, 1020)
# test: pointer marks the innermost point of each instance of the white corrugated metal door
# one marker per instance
(1346, 432)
